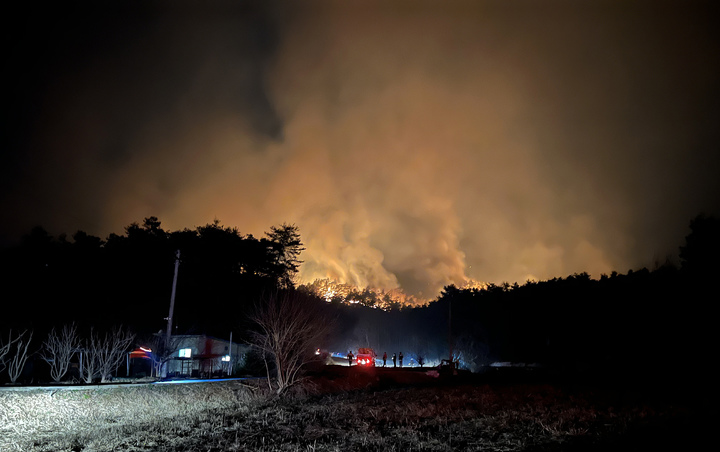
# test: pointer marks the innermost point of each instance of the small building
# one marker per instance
(204, 356)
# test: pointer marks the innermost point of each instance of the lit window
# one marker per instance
(185, 352)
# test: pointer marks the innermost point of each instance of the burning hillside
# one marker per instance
(385, 299)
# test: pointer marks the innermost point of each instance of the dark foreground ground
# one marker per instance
(539, 410)
(351, 409)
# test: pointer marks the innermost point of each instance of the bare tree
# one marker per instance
(58, 349)
(88, 364)
(4, 350)
(105, 354)
(291, 325)
(17, 360)
(162, 350)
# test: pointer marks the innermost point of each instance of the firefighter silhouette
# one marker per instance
(384, 358)
(394, 358)
(401, 357)
(350, 358)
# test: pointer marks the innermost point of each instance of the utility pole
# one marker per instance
(450, 328)
(172, 301)
(230, 355)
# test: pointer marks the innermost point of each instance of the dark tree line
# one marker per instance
(659, 320)
(127, 279)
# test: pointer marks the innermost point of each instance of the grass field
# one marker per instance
(348, 409)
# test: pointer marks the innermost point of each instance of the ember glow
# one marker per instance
(415, 144)
(332, 291)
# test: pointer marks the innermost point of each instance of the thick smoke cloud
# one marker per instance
(415, 144)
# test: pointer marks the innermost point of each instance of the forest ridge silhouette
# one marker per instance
(640, 319)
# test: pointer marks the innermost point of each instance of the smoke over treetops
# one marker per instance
(414, 144)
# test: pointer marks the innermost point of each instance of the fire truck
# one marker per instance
(366, 357)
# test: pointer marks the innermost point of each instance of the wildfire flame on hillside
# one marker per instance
(385, 299)
(333, 291)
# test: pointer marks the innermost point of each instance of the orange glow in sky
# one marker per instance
(415, 144)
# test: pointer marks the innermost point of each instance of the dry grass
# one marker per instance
(80, 419)
(230, 417)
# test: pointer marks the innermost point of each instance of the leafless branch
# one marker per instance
(104, 354)
(5, 349)
(162, 350)
(16, 363)
(88, 363)
(58, 349)
(290, 326)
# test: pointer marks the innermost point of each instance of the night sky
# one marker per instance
(415, 144)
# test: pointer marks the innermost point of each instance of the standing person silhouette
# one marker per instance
(384, 358)
(401, 357)
(394, 358)
(350, 358)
